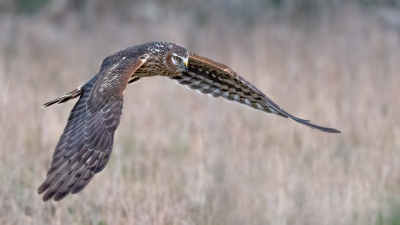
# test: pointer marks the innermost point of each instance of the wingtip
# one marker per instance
(45, 198)
(323, 129)
(309, 124)
(42, 188)
(331, 130)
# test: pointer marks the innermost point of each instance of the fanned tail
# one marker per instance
(73, 94)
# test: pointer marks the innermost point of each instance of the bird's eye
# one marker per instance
(177, 58)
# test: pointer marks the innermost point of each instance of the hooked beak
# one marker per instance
(186, 66)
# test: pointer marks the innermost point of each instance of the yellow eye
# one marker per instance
(177, 58)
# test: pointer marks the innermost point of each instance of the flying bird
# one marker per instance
(86, 144)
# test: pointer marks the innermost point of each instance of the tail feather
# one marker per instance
(73, 94)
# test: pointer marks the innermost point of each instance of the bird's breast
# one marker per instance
(152, 67)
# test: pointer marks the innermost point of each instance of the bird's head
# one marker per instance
(177, 59)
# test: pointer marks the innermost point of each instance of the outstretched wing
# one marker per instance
(216, 79)
(86, 144)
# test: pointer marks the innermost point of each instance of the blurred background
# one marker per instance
(184, 158)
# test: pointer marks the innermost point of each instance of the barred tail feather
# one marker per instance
(73, 94)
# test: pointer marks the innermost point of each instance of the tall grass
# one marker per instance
(184, 158)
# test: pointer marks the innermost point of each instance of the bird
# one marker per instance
(86, 144)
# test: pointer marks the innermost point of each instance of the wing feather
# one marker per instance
(217, 80)
(86, 144)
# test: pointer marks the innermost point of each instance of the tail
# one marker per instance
(73, 94)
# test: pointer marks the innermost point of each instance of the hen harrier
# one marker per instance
(86, 144)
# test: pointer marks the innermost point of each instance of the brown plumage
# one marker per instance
(86, 144)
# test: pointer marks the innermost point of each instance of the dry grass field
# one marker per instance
(184, 158)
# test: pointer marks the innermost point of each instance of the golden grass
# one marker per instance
(184, 158)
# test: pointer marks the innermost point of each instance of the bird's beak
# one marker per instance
(186, 66)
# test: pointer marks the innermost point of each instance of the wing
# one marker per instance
(216, 79)
(86, 144)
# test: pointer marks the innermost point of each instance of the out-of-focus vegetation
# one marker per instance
(242, 8)
(184, 158)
